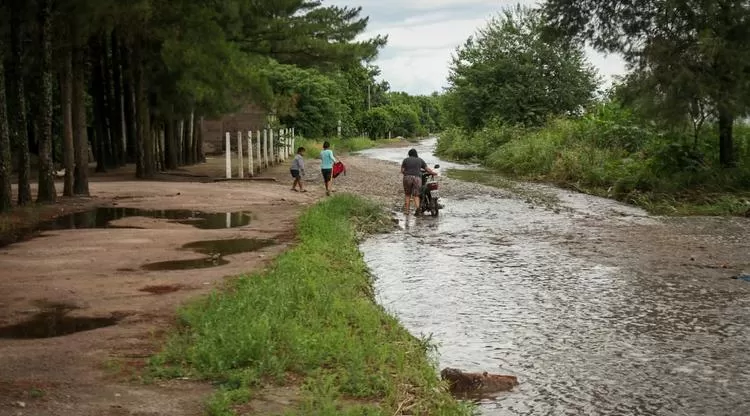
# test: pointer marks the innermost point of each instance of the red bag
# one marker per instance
(338, 169)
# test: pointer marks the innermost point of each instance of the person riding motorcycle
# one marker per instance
(412, 168)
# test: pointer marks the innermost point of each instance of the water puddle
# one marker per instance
(215, 251)
(229, 247)
(103, 217)
(55, 322)
(160, 289)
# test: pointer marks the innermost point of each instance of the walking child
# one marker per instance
(327, 159)
(298, 169)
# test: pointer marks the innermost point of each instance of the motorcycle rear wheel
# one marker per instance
(434, 207)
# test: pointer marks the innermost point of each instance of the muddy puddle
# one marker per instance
(103, 217)
(55, 322)
(215, 250)
(491, 281)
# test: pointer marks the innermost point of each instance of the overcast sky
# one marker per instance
(422, 34)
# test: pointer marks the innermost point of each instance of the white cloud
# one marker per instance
(422, 34)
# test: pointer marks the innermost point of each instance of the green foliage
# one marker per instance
(611, 152)
(312, 313)
(378, 122)
(692, 57)
(509, 71)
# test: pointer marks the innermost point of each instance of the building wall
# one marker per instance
(251, 117)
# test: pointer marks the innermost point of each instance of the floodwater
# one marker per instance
(492, 283)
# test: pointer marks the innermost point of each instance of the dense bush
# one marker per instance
(608, 151)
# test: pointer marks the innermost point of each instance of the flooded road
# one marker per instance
(573, 301)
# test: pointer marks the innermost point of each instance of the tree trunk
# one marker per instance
(110, 107)
(199, 156)
(101, 141)
(6, 192)
(117, 101)
(66, 101)
(46, 193)
(145, 160)
(80, 131)
(189, 138)
(726, 142)
(131, 134)
(17, 101)
(170, 148)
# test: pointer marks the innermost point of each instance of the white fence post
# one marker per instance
(265, 148)
(282, 146)
(260, 155)
(272, 156)
(294, 148)
(229, 155)
(240, 159)
(250, 167)
(288, 142)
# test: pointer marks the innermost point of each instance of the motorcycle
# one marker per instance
(429, 194)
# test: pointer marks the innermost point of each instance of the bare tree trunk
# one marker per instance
(17, 99)
(145, 164)
(47, 192)
(726, 141)
(118, 122)
(101, 141)
(189, 154)
(6, 192)
(131, 134)
(199, 155)
(80, 130)
(170, 147)
(66, 100)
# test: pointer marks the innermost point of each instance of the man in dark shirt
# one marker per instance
(412, 168)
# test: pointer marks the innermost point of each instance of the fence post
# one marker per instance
(229, 156)
(282, 146)
(240, 159)
(271, 147)
(260, 155)
(288, 141)
(250, 166)
(294, 149)
(266, 162)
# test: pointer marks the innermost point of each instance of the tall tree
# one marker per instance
(508, 71)
(17, 100)
(6, 197)
(46, 192)
(695, 46)
(80, 132)
(66, 103)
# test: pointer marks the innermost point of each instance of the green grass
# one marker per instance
(311, 314)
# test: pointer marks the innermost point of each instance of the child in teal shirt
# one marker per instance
(326, 165)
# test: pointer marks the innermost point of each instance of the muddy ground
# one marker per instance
(96, 273)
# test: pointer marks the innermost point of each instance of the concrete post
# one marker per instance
(240, 159)
(260, 155)
(229, 155)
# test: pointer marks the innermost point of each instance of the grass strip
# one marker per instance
(311, 316)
